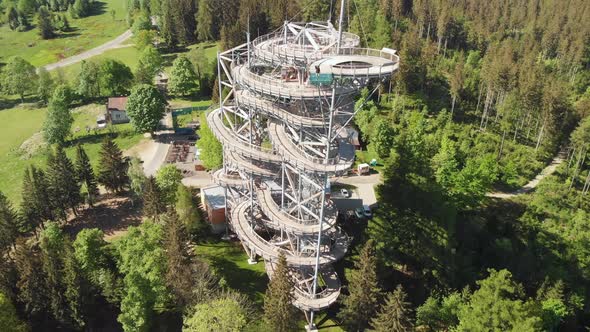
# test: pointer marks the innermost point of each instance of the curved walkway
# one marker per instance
(271, 252)
(296, 157)
(232, 142)
(250, 101)
(278, 88)
(324, 298)
(527, 188)
(283, 221)
(115, 43)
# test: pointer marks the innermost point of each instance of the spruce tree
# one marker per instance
(36, 207)
(74, 285)
(51, 244)
(9, 224)
(112, 169)
(279, 312)
(31, 287)
(63, 183)
(85, 174)
(363, 299)
(153, 200)
(395, 313)
(45, 24)
(178, 273)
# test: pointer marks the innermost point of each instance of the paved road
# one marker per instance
(115, 43)
(550, 169)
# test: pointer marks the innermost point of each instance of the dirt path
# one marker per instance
(115, 43)
(550, 169)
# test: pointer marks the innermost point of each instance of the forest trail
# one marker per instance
(550, 169)
(112, 44)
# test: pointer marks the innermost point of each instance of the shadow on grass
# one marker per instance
(97, 8)
(6, 103)
(224, 258)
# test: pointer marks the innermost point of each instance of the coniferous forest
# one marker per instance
(488, 94)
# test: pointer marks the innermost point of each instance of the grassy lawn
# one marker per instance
(231, 262)
(25, 121)
(127, 55)
(87, 32)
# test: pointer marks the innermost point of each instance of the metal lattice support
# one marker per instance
(289, 94)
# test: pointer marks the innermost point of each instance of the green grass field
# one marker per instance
(23, 122)
(88, 32)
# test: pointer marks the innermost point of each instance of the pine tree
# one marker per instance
(178, 274)
(153, 200)
(85, 174)
(394, 314)
(63, 183)
(112, 169)
(363, 299)
(279, 312)
(9, 224)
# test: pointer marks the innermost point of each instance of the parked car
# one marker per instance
(359, 213)
(344, 192)
(101, 122)
(367, 211)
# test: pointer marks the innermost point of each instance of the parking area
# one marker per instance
(352, 195)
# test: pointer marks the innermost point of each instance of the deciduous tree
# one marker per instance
(19, 77)
(58, 124)
(45, 85)
(183, 80)
(145, 108)
(89, 79)
(228, 312)
(115, 77)
(9, 320)
(168, 179)
(150, 63)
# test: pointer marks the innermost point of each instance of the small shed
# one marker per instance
(213, 200)
(117, 110)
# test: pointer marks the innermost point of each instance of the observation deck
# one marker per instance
(290, 94)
